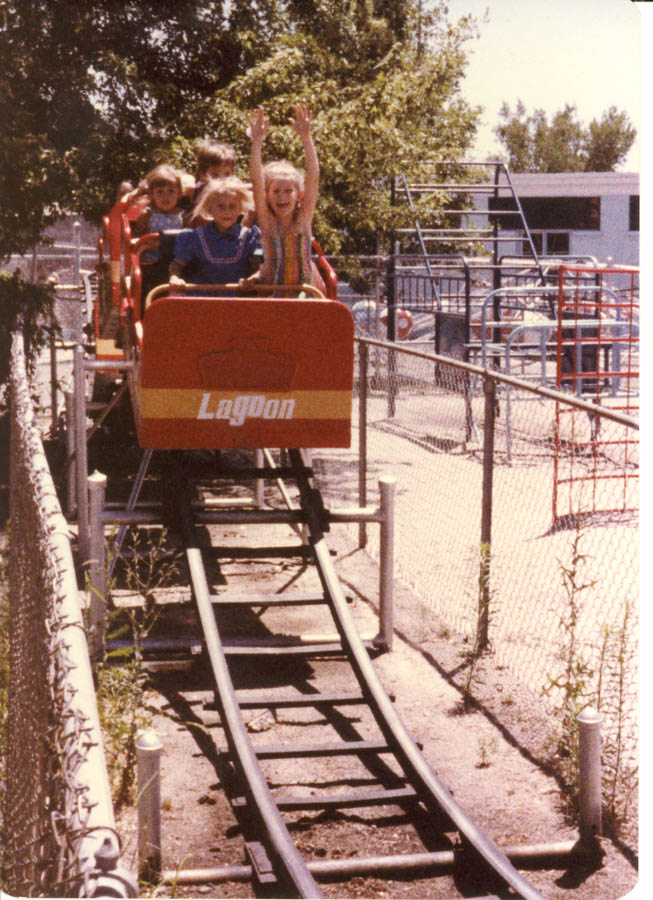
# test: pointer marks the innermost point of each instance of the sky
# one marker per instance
(549, 53)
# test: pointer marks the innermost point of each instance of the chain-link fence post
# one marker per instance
(489, 390)
(363, 372)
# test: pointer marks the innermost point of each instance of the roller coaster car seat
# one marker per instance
(245, 372)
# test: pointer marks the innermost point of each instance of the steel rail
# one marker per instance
(296, 877)
(431, 789)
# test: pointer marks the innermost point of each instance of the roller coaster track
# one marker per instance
(273, 855)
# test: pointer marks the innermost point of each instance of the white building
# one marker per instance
(575, 214)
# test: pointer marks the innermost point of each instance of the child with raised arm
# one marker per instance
(284, 202)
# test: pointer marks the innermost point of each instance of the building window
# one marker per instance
(542, 213)
(548, 243)
(633, 212)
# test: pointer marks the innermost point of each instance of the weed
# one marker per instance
(487, 747)
(121, 676)
(485, 612)
(613, 700)
(598, 674)
(574, 681)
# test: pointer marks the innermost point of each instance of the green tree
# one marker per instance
(88, 91)
(533, 144)
(383, 101)
(609, 141)
(91, 94)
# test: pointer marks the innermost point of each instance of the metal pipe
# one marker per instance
(387, 485)
(108, 365)
(363, 370)
(151, 515)
(131, 503)
(69, 407)
(81, 460)
(589, 776)
(282, 490)
(54, 423)
(443, 859)
(106, 409)
(259, 484)
(148, 754)
(97, 486)
(500, 378)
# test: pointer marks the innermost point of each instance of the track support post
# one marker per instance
(387, 485)
(97, 569)
(81, 456)
(589, 777)
(71, 478)
(148, 753)
(259, 484)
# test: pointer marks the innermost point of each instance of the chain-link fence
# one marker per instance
(59, 830)
(474, 453)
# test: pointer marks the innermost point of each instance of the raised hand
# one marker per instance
(258, 124)
(302, 120)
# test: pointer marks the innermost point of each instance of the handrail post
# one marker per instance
(589, 777)
(148, 752)
(387, 485)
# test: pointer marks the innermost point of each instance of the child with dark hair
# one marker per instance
(162, 213)
(214, 160)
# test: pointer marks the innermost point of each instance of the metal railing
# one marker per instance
(476, 535)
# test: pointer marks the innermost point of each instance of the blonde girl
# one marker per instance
(223, 251)
(285, 201)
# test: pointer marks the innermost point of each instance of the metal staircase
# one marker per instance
(450, 258)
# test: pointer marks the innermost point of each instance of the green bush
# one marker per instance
(31, 304)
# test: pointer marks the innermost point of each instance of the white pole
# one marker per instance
(148, 751)
(589, 775)
(387, 485)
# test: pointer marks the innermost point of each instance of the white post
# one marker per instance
(589, 775)
(148, 751)
(387, 485)
(97, 486)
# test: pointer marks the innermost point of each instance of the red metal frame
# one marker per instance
(596, 461)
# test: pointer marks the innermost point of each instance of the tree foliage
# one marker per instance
(533, 144)
(91, 94)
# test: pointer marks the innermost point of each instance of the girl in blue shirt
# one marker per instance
(224, 250)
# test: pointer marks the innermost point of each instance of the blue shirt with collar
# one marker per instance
(210, 256)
